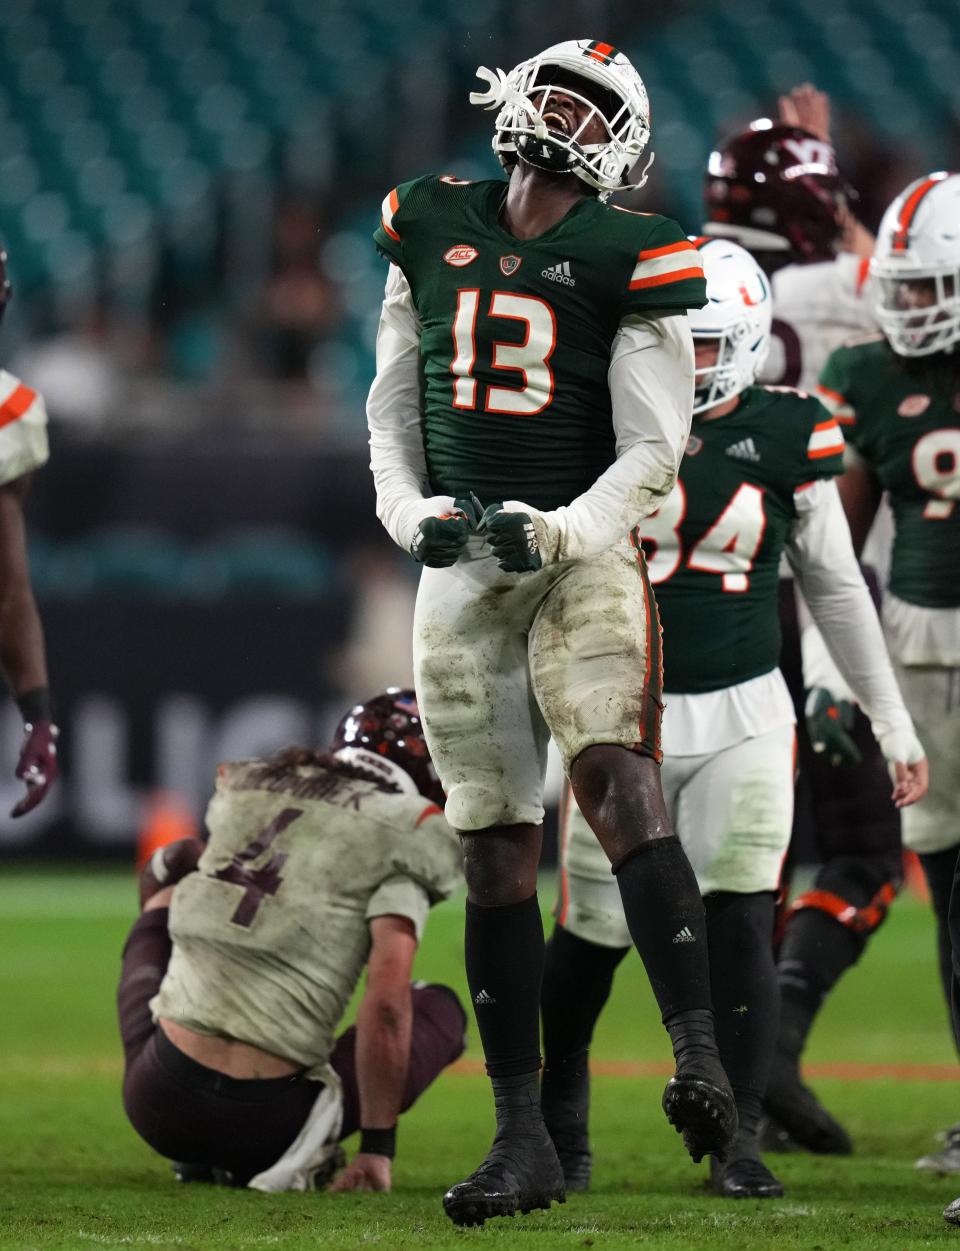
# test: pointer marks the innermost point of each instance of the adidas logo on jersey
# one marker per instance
(744, 450)
(559, 273)
(482, 999)
(685, 936)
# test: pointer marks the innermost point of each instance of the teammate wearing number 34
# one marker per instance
(549, 333)
(757, 482)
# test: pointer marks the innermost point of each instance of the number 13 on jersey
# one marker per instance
(530, 358)
(728, 547)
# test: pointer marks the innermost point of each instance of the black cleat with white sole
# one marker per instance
(521, 1174)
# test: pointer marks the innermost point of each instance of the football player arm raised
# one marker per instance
(384, 1026)
(821, 555)
(651, 391)
(22, 655)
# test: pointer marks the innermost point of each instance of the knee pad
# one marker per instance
(856, 891)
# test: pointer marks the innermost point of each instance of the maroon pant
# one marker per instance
(197, 1116)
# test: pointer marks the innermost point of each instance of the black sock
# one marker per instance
(815, 952)
(665, 916)
(743, 978)
(577, 979)
(503, 948)
(938, 868)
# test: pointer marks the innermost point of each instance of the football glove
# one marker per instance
(829, 722)
(37, 766)
(512, 539)
(439, 541)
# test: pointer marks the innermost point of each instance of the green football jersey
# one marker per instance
(903, 417)
(516, 334)
(713, 549)
(271, 935)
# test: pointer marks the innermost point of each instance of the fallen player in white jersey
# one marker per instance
(247, 952)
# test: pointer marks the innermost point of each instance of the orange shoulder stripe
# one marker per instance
(16, 404)
(660, 280)
(651, 254)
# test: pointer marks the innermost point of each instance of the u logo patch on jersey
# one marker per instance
(510, 264)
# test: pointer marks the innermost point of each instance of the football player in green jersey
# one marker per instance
(756, 483)
(898, 395)
(243, 961)
(776, 190)
(532, 402)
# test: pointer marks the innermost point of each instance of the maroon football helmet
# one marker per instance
(6, 291)
(389, 725)
(776, 183)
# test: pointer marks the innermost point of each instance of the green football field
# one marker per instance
(73, 1175)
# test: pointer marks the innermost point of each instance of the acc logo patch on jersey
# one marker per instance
(913, 405)
(460, 255)
(510, 264)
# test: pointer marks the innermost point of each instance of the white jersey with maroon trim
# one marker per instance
(816, 308)
(23, 429)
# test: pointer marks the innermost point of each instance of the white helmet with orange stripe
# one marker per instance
(598, 76)
(737, 317)
(917, 264)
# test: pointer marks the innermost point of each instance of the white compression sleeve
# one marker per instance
(821, 555)
(393, 417)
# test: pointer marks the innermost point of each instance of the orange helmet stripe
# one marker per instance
(908, 212)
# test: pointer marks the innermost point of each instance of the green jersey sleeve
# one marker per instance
(822, 456)
(395, 217)
(667, 273)
(834, 391)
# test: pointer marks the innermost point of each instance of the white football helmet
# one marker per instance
(522, 131)
(738, 314)
(917, 264)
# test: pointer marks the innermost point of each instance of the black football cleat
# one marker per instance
(698, 1101)
(744, 1177)
(520, 1174)
(797, 1110)
(565, 1101)
(168, 865)
(699, 1104)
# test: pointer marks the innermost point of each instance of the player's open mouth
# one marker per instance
(557, 121)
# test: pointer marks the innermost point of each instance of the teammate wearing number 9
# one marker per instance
(757, 481)
(896, 395)
(534, 359)
(247, 951)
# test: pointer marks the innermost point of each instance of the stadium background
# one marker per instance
(187, 191)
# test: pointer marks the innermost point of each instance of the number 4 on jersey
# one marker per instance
(266, 880)
(728, 548)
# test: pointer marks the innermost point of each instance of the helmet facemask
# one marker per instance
(723, 380)
(919, 312)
